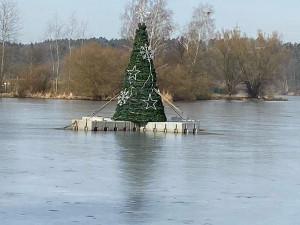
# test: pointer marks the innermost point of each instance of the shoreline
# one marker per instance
(51, 96)
(243, 98)
(72, 97)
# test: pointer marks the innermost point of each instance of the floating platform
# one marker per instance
(106, 124)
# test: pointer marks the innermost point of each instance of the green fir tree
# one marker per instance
(139, 100)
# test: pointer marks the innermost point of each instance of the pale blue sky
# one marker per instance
(103, 16)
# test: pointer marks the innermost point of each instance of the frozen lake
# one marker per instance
(246, 171)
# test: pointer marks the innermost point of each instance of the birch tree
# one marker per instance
(72, 33)
(82, 32)
(155, 15)
(9, 27)
(54, 33)
(74, 30)
(198, 32)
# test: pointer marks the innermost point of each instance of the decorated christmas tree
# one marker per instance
(139, 100)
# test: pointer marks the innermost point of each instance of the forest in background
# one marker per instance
(195, 65)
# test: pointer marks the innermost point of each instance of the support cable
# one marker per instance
(96, 111)
(175, 109)
(106, 104)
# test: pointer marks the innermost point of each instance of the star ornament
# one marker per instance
(146, 52)
(142, 13)
(123, 97)
(150, 102)
(133, 73)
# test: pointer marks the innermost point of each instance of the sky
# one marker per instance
(103, 16)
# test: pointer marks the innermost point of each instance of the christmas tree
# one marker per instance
(140, 101)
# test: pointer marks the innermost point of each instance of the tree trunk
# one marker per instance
(286, 87)
(253, 90)
(229, 88)
(69, 70)
(81, 47)
(57, 67)
(56, 85)
(2, 65)
(52, 61)
(2, 59)
(31, 66)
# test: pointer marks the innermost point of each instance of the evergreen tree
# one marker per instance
(139, 100)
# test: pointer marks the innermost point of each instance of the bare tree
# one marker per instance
(82, 32)
(54, 33)
(74, 30)
(71, 32)
(99, 68)
(198, 32)
(261, 61)
(155, 15)
(226, 56)
(292, 71)
(9, 27)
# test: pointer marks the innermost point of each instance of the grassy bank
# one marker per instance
(47, 96)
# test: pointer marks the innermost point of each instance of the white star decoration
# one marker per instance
(150, 102)
(142, 12)
(123, 97)
(147, 52)
(133, 73)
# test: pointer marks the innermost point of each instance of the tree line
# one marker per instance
(194, 65)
